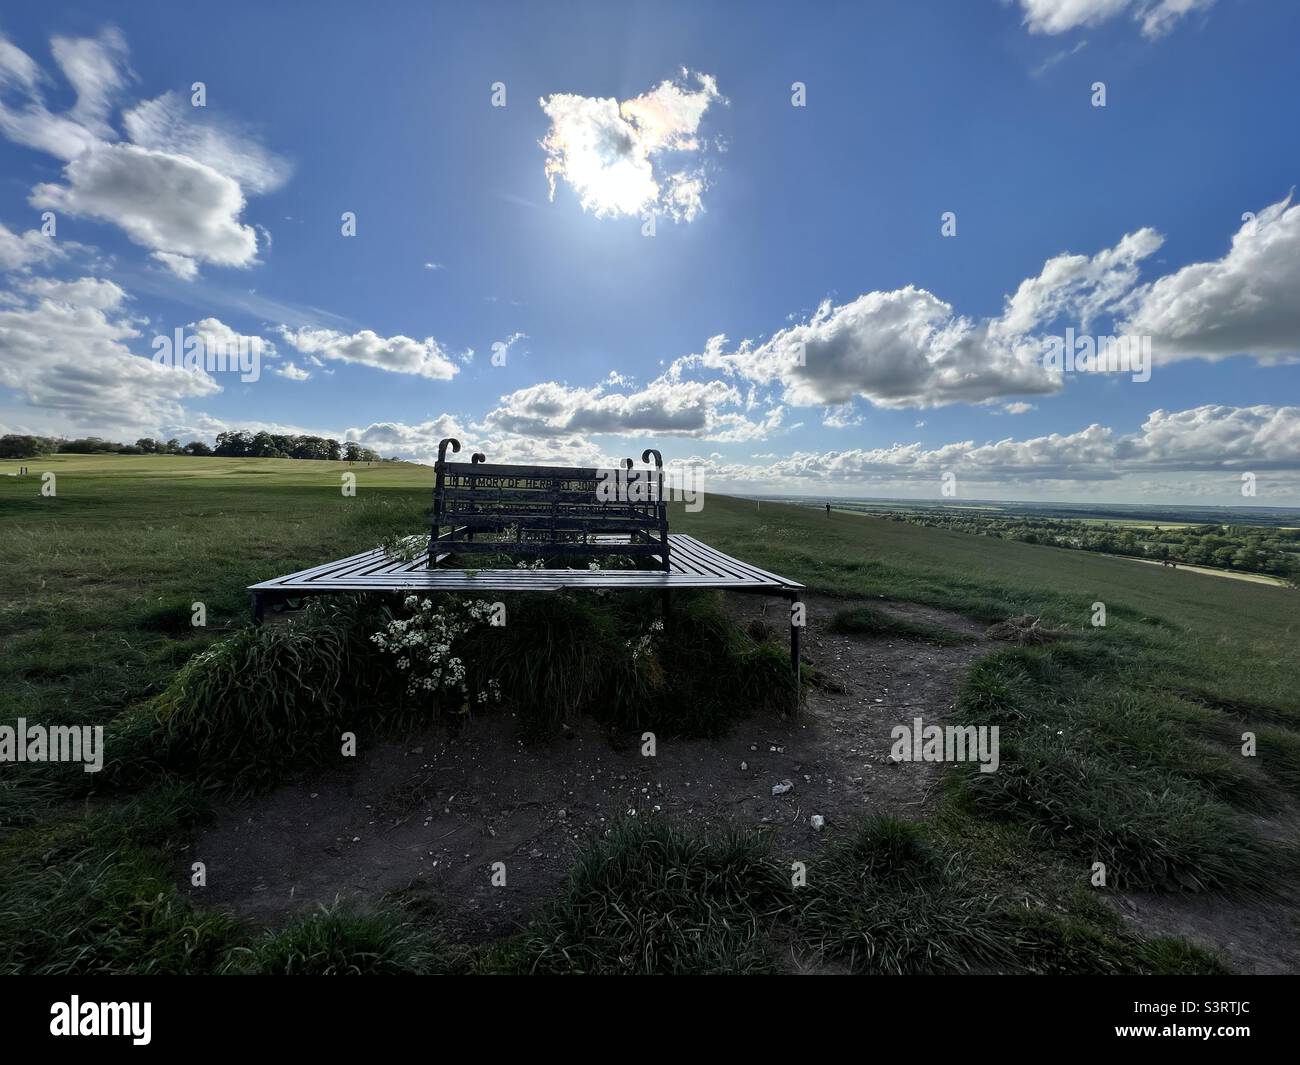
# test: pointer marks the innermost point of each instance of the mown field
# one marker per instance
(1121, 745)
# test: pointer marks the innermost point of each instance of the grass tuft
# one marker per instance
(617, 659)
(341, 940)
(887, 901)
(651, 898)
(261, 704)
(96, 896)
(1112, 776)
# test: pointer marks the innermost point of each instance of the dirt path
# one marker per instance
(430, 815)
(1254, 936)
(1210, 571)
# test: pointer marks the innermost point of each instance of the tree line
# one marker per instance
(237, 443)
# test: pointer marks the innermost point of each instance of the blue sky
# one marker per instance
(798, 321)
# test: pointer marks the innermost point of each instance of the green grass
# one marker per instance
(885, 900)
(650, 898)
(265, 703)
(872, 621)
(891, 897)
(618, 658)
(343, 941)
(1120, 744)
(94, 895)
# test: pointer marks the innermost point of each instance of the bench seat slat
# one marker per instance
(364, 572)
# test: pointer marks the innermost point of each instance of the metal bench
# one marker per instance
(542, 512)
(548, 512)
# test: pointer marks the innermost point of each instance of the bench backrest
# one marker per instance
(538, 511)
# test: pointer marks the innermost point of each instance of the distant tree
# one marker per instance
(17, 446)
(197, 447)
(89, 445)
(234, 444)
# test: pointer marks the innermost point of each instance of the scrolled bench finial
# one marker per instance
(659, 459)
(442, 448)
(627, 463)
(477, 457)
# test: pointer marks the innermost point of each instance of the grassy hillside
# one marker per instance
(850, 553)
(1120, 743)
(1236, 639)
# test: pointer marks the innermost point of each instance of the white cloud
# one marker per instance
(1214, 436)
(17, 68)
(169, 124)
(1156, 17)
(1078, 285)
(1213, 441)
(170, 204)
(64, 348)
(218, 336)
(95, 67)
(397, 354)
(83, 292)
(668, 406)
(181, 265)
(1057, 57)
(419, 443)
(841, 417)
(905, 348)
(20, 252)
(25, 119)
(910, 348)
(177, 187)
(616, 156)
(291, 371)
(1248, 302)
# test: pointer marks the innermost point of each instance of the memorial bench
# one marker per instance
(549, 514)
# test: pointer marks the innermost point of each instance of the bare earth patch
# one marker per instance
(428, 816)
(1258, 937)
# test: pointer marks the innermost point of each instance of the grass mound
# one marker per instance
(1109, 772)
(1090, 939)
(650, 898)
(872, 621)
(342, 941)
(260, 703)
(886, 901)
(97, 897)
(617, 659)
(267, 702)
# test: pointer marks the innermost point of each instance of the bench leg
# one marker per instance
(258, 603)
(795, 630)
